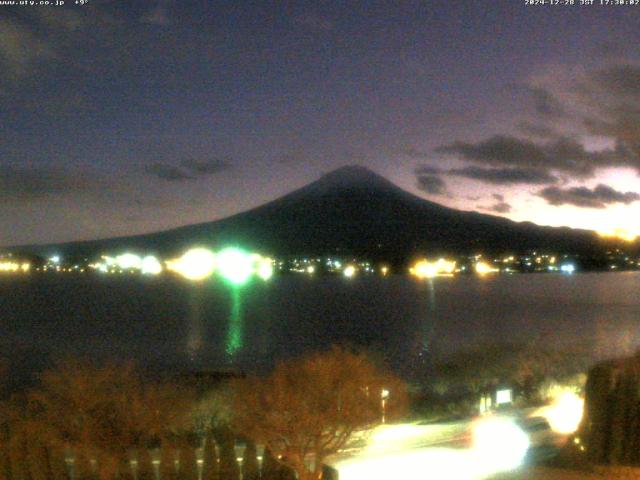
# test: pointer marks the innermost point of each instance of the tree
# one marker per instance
(100, 415)
(310, 408)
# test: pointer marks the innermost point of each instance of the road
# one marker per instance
(471, 449)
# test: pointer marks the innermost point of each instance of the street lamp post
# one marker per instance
(133, 463)
(216, 449)
(155, 461)
(70, 462)
(239, 450)
(94, 466)
(200, 461)
(384, 395)
(176, 463)
(260, 457)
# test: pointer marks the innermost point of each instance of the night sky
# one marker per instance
(123, 117)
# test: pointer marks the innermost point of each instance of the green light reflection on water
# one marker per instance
(234, 335)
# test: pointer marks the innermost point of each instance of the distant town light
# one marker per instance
(428, 269)
(567, 268)
(349, 271)
(234, 265)
(482, 268)
(129, 260)
(150, 265)
(196, 264)
(265, 268)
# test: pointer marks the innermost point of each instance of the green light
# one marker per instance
(234, 265)
(234, 336)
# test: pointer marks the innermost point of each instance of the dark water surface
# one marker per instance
(165, 322)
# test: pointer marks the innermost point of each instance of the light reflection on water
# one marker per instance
(168, 322)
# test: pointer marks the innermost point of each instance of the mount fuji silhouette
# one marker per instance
(351, 211)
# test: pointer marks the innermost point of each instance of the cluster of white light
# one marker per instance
(148, 265)
(428, 269)
(196, 264)
(499, 444)
(349, 271)
(13, 267)
(567, 268)
(232, 264)
(565, 412)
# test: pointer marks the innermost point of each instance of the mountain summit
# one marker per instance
(354, 211)
(353, 175)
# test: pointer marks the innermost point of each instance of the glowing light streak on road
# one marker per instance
(499, 444)
(413, 451)
(565, 413)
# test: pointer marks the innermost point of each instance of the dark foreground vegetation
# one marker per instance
(103, 422)
(84, 421)
(533, 370)
(606, 445)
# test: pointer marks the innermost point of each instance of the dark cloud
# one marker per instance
(25, 183)
(613, 96)
(499, 207)
(428, 170)
(497, 150)
(546, 104)
(189, 169)
(538, 130)
(598, 197)
(432, 184)
(563, 154)
(621, 79)
(606, 101)
(602, 101)
(505, 176)
(414, 153)
(496, 176)
(168, 172)
(205, 167)
(21, 49)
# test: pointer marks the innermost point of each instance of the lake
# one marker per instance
(164, 322)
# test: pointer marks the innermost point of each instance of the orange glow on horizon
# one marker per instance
(620, 234)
